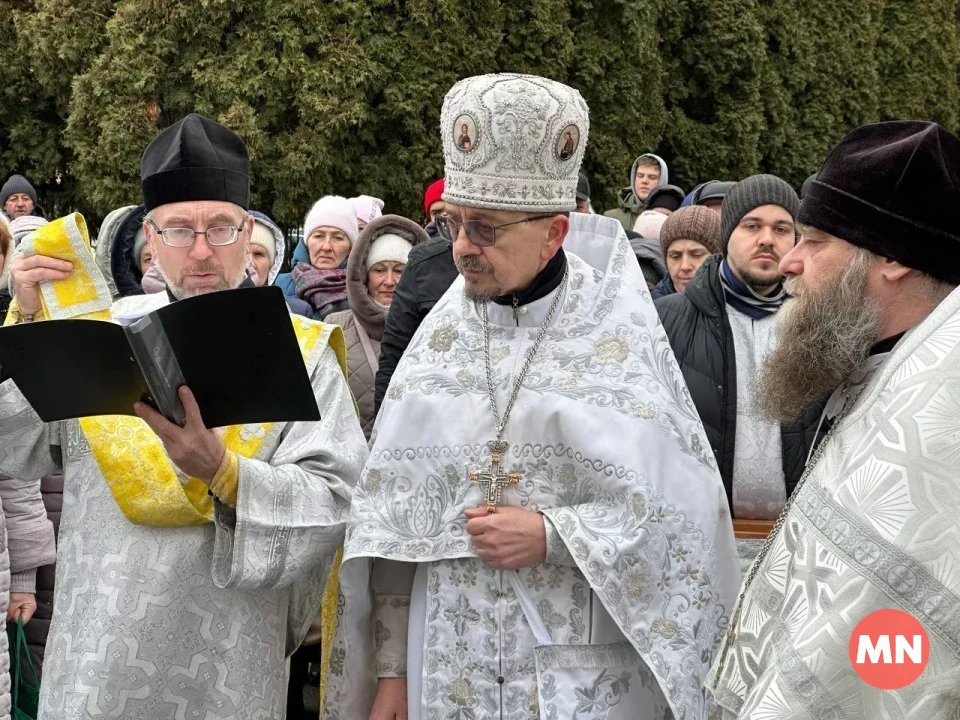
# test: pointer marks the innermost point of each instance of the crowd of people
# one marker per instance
(541, 425)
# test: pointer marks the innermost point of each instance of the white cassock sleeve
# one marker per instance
(291, 511)
(29, 447)
(392, 583)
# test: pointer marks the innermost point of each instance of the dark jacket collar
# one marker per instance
(704, 289)
(543, 284)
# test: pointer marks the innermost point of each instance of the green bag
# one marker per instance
(24, 683)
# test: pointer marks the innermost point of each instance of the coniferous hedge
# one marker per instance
(344, 97)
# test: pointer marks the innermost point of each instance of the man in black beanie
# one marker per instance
(191, 560)
(874, 323)
(18, 197)
(721, 328)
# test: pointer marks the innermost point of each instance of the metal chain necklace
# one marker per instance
(781, 521)
(494, 478)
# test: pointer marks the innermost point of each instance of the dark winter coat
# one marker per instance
(699, 331)
(429, 273)
(664, 287)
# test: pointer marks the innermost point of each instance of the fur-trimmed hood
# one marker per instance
(368, 313)
(280, 242)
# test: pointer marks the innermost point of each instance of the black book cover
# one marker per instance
(236, 350)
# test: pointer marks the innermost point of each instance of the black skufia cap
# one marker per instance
(894, 189)
(195, 159)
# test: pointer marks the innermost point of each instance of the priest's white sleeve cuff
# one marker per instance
(391, 617)
(557, 551)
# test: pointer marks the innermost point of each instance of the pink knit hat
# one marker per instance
(332, 211)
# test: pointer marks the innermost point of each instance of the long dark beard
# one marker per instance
(822, 338)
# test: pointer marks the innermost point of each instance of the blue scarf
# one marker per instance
(744, 299)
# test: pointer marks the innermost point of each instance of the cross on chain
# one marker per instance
(495, 480)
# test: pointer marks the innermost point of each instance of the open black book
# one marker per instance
(236, 350)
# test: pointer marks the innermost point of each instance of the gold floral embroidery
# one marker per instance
(611, 350)
(645, 411)
(443, 337)
(533, 701)
(665, 628)
(635, 583)
(499, 352)
(461, 692)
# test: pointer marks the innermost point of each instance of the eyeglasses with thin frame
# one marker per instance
(479, 232)
(182, 237)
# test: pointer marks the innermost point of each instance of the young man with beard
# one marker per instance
(721, 329)
(505, 536)
(874, 523)
(191, 560)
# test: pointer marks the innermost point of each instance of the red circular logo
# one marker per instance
(889, 649)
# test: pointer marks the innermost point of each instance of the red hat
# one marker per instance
(432, 195)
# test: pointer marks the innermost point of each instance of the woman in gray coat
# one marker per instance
(26, 543)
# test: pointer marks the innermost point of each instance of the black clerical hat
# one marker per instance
(894, 189)
(195, 159)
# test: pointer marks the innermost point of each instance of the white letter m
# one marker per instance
(882, 649)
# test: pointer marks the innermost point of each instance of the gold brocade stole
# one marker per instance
(145, 485)
(143, 482)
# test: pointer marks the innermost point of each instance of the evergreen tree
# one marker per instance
(616, 66)
(345, 97)
(786, 74)
(917, 59)
(287, 76)
(713, 56)
(842, 91)
(31, 124)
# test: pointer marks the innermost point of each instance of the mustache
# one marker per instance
(204, 266)
(793, 285)
(473, 263)
(823, 335)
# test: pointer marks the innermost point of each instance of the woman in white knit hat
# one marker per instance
(374, 267)
(367, 209)
(330, 230)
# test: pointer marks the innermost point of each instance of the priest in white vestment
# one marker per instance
(541, 530)
(875, 522)
(191, 561)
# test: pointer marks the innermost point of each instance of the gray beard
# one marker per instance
(470, 262)
(822, 338)
(480, 296)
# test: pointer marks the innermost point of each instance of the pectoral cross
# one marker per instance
(495, 480)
